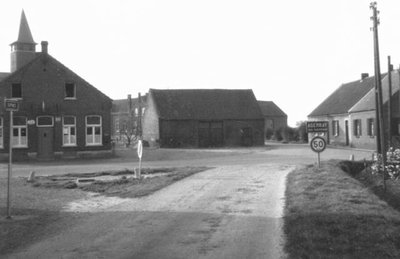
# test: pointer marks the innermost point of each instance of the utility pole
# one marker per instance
(381, 149)
(390, 68)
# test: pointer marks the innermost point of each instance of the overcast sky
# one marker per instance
(292, 52)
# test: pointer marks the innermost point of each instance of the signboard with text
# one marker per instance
(317, 126)
(11, 105)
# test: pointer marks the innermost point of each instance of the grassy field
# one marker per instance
(331, 214)
(36, 207)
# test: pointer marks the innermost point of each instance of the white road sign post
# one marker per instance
(318, 144)
(11, 106)
(140, 153)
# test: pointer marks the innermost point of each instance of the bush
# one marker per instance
(392, 164)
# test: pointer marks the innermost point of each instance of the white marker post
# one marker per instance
(318, 144)
(10, 105)
(140, 153)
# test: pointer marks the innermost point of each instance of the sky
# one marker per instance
(294, 53)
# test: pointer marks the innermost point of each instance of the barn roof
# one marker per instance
(270, 109)
(206, 104)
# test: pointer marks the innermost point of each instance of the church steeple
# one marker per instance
(24, 49)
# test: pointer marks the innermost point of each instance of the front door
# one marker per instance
(45, 145)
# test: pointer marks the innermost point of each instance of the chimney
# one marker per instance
(364, 75)
(45, 44)
(129, 103)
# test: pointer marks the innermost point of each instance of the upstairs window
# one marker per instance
(70, 91)
(16, 91)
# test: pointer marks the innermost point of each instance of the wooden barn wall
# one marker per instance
(184, 133)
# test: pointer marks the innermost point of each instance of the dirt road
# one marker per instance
(231, 211)
(227, 212)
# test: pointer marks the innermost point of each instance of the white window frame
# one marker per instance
(18, 141)
(91, 139)
(69, 139)
(1, 133)
(41, 126)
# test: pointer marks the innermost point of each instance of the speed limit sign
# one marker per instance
(318, 144)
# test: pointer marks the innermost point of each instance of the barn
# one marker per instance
(202, 118)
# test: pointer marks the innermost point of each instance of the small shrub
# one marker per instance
(392, 164)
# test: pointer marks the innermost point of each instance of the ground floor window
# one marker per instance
(69, 131)
(93, 130)
(335, 128)
(357, 127)
(371, 126)
(20, 132)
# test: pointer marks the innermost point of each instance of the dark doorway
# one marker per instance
(347, 132)
(247, 137)
(210, 134)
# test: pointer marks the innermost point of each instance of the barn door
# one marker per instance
(210, 134)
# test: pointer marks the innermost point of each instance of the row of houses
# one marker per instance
(350, 112)
(62, 115)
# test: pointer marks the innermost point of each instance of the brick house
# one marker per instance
(274, 117)
(350, 111)
(125, 115)
(60, 114)
(203, 118)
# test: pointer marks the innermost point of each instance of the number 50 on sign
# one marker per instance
(318, 144)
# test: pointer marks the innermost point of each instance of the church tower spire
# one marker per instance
(24, 49)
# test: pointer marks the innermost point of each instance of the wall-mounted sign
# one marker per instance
(11, 105)
(317, 126)
(31, 122)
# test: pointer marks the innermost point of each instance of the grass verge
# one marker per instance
(36, 207)
(330, 214)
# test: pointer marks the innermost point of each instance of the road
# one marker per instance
(271, 153)
(231, 211)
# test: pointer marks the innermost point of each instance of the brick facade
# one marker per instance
(43, 83)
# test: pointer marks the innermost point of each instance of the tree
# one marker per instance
(302, 130)
(128, 130)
